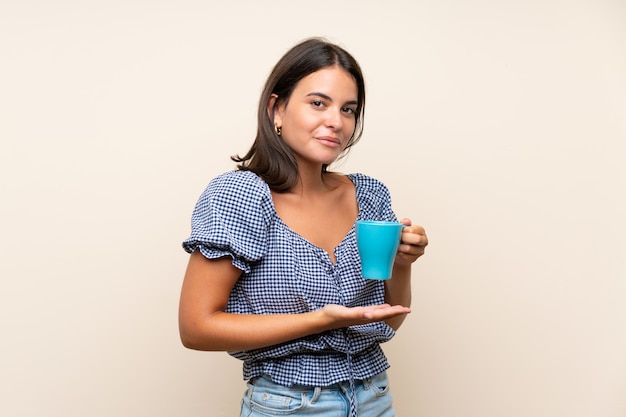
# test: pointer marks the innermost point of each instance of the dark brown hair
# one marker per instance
(269, 157)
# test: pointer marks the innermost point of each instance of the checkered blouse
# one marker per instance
(285, 273)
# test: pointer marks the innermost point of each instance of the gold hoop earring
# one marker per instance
(278, 130)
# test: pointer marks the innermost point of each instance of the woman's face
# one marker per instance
(320, 116)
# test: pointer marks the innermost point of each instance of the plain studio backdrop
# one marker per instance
(500, 126)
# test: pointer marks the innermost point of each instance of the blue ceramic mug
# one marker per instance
(378, 243)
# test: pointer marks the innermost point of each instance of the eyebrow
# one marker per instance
(326, 97)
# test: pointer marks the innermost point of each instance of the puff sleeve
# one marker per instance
(232, 218)
(374, 199)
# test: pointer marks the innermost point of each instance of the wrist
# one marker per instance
(401, 270)
(320, 321)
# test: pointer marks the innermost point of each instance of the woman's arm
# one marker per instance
(204, 325)
(398, 288)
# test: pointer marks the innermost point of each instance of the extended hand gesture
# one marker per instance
(340, 316)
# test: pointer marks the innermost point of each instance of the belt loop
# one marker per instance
(250, 389)
(366, 383)
(316, 394)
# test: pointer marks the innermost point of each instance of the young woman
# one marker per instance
(274, 276)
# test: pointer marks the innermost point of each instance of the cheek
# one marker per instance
(349, 127)
(301, 123)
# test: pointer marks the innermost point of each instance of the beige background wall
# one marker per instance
(498, 125)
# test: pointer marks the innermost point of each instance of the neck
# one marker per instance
(312, 180)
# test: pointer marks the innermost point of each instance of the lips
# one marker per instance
(329, 141)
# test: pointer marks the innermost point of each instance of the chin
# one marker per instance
(330, 161)
(324, 158)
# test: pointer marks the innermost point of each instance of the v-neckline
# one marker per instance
(333, 259)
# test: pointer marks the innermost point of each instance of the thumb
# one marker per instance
(405, 221)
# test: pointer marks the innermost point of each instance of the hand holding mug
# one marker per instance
(413, 243)
(382, 243)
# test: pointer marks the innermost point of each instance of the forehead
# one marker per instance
(335, 82)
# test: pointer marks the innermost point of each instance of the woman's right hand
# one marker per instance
(340, 316)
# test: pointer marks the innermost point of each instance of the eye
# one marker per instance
(317, 103)
(349, 110)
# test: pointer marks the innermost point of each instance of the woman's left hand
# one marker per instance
(413, 243)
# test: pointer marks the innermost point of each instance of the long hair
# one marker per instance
(269, 156)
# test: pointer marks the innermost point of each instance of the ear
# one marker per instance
(274, 111)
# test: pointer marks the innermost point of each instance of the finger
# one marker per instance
(411, 250)
(414, 239)
(414, 229)
(380, 306)
(387, 313)
(393, 311)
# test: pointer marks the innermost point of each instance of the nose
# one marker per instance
(333, 119)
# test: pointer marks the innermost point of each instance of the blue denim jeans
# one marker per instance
(264, 398)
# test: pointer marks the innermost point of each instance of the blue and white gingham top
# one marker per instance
(285, 273)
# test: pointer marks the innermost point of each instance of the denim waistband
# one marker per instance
(266, 381)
